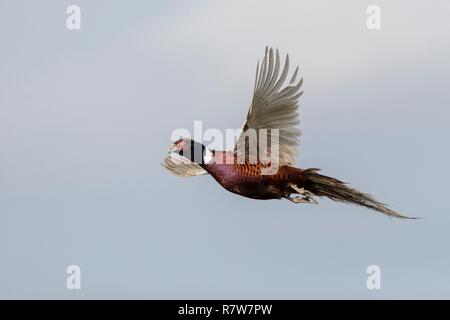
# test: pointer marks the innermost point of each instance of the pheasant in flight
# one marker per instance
(274, 107)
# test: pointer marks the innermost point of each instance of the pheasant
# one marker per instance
(274, 108)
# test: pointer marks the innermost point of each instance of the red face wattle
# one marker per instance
(180, 147)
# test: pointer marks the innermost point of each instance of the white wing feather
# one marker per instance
(182, 167)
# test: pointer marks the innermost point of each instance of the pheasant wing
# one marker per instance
(182, 167)
(274, 106)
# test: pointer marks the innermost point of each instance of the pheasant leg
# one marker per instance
(305, 196)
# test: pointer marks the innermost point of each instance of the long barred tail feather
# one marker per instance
(336, 190)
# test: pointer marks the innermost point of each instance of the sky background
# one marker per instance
(86, 118)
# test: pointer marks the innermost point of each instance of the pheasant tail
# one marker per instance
(336, 190)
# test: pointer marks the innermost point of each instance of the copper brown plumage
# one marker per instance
(273, 111)
(247, 179)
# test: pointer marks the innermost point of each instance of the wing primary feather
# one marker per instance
(256, 76)
(261, 70)
(264, 71)
(286, 92)
(283, 76)
(269, 71)
(294, 76)
(275, 71)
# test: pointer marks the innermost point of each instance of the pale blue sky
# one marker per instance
(86, 118)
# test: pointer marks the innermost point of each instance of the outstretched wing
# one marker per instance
(182, 167)
(274, 106)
